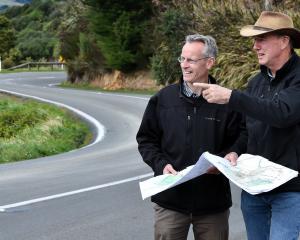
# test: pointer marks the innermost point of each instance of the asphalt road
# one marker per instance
(90, 193)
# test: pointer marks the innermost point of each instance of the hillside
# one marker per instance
(98, 38)
(4, 4)
(35, 26)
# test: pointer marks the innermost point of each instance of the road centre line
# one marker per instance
(4, 208)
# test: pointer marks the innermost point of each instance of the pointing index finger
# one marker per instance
(202, 85)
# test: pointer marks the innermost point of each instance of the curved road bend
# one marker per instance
(86, 194)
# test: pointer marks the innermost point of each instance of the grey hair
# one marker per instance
(210, 50)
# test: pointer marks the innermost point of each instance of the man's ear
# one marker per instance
(285, 42)
(210, 62)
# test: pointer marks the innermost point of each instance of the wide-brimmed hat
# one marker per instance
(269, 22)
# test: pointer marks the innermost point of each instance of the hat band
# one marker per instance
(262, 28)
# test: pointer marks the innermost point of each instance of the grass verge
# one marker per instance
(31, 129)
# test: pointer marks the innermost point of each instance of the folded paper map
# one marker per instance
(160, 183)
(254, 174)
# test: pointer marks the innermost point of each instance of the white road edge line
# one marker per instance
(60, 195)
(99, 127)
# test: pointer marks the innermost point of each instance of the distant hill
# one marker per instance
(8, 3)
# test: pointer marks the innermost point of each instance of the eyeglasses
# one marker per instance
(189, 60)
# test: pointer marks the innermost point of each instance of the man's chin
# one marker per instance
(261, 62)
(188, 80)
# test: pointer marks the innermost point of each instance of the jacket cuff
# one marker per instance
(160, 167)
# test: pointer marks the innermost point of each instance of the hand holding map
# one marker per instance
(252, 173)
(163, 182)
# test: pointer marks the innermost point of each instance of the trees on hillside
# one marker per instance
(7, 40)
(119, 26)
(36, 44)
(78, 45)
(36, 26)
(97, 36)
(7, 36)
(100, 36)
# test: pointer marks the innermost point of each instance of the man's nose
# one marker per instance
(255, 45)
(185, 63)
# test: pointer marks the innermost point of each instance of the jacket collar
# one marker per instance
(282, 72)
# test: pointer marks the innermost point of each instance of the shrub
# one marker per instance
(170, 34)
(118, 26)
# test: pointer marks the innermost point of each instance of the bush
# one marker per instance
(118, 26)
(15, 118)
(170, 34)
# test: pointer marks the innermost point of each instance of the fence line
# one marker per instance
(30, 65)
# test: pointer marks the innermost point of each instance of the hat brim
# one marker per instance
(251, 31)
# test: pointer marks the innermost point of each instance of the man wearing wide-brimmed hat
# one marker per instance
(271, 104)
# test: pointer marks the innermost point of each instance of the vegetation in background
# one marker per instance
(236, 62)
(30, 129)
(7, 38)
(118, 26)
(221, 19)
(96, 36)
(78, 45)
(36, 25)
(170, 32)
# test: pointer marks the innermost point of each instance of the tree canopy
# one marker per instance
(99, 36)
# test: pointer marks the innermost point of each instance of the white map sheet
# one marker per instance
(160, 183)
(254, 174)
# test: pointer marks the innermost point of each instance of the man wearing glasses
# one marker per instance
(177, 127)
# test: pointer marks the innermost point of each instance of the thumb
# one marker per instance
(169, 169)
(232, 158)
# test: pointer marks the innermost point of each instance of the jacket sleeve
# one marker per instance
(149, 138)
(282, 111)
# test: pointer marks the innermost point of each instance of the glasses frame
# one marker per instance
(189, 60)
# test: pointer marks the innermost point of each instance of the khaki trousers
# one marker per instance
(172, 225)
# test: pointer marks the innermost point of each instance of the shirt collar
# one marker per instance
(188, 92)
(271, 77)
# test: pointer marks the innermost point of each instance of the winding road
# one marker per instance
(90, 193)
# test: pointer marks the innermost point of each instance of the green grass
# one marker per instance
(30, 129)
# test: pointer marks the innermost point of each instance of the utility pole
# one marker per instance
(0, 64)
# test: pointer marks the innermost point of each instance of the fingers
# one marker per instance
(232, 158)
(202, 85)
(203, 89)
(213, 93)
(213, 170)
(169, 169)
(206, 89)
